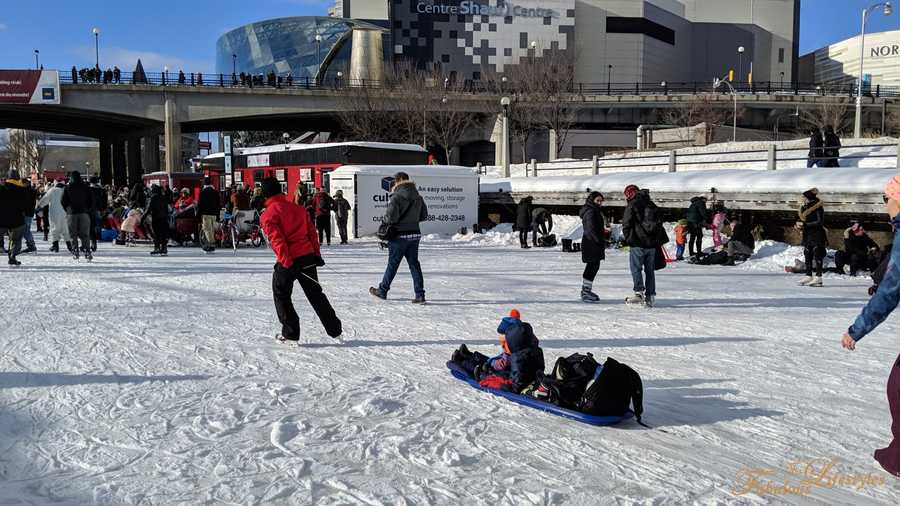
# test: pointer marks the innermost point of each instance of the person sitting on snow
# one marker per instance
(519, 363)
(860, 251)
(741, 245)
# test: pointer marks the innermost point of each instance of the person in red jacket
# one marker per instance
(294, 240)
(323, 205)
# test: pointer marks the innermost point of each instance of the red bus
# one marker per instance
(309, 164)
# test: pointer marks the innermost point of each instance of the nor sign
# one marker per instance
(29, 87)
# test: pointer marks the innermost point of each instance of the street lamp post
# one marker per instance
(502, 82)
(233, 63)
(609, 80)
(96, 32)
(778, 119)
(318, 53)
(782, 81)
(718, 82)
(504, 142)
(37, 64)
(888, 9)
(740, 64)
(533, 51)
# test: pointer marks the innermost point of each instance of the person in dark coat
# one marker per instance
(593, 243)
(101, 204)
(542, 222)
(815, 149)
(158, 214)
(323, 204)
(342, 214)
(13, 205)
(293, 239)
(31, 200)
(523, 220)
(860, 251)
(78, 201)
(138, 197)
(832, 147)
(741, 245)
(815, 238)
(405, 211)
(644, 234)
(698, 219)
(208, 206)
(879, 307)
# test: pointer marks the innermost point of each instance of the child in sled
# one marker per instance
(516, 366)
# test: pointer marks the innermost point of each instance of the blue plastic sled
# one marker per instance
(531, 402)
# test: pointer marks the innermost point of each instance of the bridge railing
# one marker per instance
(287, 81)
(772, 158)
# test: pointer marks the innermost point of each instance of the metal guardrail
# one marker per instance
(288, 81)
(672, 159)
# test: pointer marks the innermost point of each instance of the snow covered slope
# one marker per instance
(156, 381)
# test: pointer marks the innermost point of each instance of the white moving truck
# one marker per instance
(451, 194)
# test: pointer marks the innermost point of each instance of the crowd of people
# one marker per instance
(824, 148)
(94, 75)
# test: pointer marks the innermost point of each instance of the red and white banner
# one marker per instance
(29, 87)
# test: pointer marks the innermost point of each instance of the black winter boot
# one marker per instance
(55, 247)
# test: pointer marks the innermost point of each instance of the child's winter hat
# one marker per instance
(892, 190)
(508, 321)
(811, 193)
(683, 222)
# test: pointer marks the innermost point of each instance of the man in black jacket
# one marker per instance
(31, 199)
(523, 220)
(158, 213)
(342, 213)
(78, 201)
(208, 208)
(101, 203)
(13, 201)
(644, 234)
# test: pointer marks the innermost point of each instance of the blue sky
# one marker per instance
(183, 33)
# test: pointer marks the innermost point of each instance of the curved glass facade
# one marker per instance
(284, 45)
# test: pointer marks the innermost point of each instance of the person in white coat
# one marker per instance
(59, 227)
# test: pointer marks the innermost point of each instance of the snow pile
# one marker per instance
(774, 256)
(503, 234)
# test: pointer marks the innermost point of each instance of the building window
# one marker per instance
(454, 34)
(780, 55)
(642, 26)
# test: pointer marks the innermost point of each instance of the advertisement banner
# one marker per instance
(452, 202)
(29, 87)
(258, 160)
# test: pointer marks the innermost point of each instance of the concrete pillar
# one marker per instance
(673, 165)
(595, 165)
(772, 158)
(119, 175)
(173, 136)
(505, 145)
(533, 168)
(150, 153)
(552, 145)
(135, 170)
(106, 172)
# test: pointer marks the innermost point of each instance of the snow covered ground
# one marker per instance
(156, 381)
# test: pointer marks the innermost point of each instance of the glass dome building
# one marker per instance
(287, 46)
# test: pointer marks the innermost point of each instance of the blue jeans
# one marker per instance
(642, 261)
(27, 235)
(398, 249)
(679, 251)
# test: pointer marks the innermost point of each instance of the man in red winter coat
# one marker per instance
(323, 204)
(293, 238)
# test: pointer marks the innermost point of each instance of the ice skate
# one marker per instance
(806, 281)
(636, 299)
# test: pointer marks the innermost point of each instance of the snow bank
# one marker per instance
(831, 180)
(503, 234)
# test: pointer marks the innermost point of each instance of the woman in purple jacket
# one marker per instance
(876, 311)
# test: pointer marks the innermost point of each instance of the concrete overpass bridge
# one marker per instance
(129, 118)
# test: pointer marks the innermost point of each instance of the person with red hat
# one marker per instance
(880, 306)
(294, 240)
(644, 234)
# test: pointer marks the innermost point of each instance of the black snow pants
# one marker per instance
(814, 255)
(323, 225)
(282, 289)
(695, 239)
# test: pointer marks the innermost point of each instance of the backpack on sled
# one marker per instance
(566, 383)
(613, 391)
